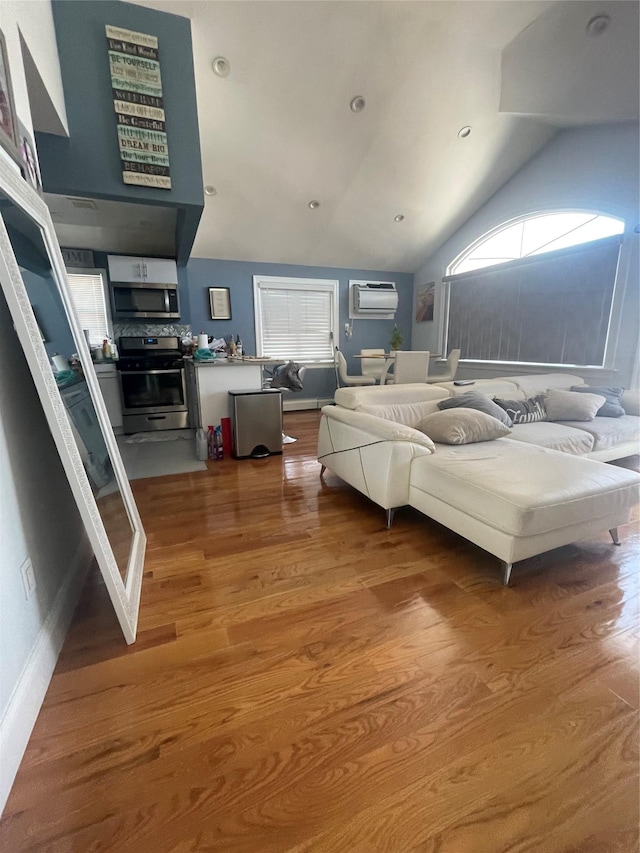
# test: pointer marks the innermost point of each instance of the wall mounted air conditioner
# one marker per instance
(374, 299)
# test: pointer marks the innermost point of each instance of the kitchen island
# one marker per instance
(209, 383)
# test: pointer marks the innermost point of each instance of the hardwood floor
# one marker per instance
(306, 680)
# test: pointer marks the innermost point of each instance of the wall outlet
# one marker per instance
(28, 577)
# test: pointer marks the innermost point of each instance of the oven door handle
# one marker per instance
(147, 372)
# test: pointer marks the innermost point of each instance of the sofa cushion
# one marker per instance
(476, 400)
(609, 432)
(490, 387)
(537, 383)
(462, 426)
(571, 406)
(524, 411)
(554, 436)
(376, 395)
(631, 401)
(523, 490)
(613, 396)
(408, 414)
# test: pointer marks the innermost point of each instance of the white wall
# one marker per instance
(34, 19)
(593, 168)
(38, 515)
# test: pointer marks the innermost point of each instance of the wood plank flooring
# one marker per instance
(306, 681)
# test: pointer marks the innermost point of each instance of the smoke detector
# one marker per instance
(221, 66)
(598, 24)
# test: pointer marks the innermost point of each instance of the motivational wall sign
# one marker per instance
(137, 100)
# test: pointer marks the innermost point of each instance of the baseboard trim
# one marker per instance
(27, 698)
(297, 405)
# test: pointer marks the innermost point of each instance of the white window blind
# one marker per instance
(296, 319)
(87, 292)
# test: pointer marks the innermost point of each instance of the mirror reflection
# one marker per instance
(57, 336)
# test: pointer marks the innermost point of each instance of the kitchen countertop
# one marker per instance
(228, 362)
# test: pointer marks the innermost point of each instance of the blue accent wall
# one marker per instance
(203, 273)
(88, 162)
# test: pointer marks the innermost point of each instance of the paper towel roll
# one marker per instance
(60, 363)
(203, 342)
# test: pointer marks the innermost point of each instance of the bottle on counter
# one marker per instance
(231, 348)
(238, 346)
(106, 348)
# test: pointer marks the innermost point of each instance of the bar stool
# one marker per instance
(288, 379)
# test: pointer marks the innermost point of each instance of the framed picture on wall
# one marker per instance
(8, 120)
(425, 297)
(220, 303)
(30, 168)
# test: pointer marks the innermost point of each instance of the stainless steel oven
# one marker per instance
(152, 384)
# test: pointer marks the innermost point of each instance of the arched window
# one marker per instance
(535, 235)
(538, 290)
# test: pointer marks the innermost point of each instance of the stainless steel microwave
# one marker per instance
(144, 300)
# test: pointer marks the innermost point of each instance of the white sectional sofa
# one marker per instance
(543, 486)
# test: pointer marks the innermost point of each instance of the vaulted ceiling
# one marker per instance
(278, 131)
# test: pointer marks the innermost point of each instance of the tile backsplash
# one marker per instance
(150, 330)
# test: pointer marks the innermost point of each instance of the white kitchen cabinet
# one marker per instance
(109, 382)
(140, 270)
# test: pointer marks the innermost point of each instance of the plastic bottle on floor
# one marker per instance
(218, 451)
(202, 449)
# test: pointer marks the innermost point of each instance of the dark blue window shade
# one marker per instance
(547, 309)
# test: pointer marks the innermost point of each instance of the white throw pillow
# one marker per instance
(462, 426)
(571, 405)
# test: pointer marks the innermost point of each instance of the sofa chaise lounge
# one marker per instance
(543, 486)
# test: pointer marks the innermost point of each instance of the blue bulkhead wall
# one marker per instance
(88, 162)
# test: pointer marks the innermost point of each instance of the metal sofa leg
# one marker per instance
(506, 573)
(390, 513)
(614, 535)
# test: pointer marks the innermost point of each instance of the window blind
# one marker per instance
(87, 292)
(296, 322)
(546, 309)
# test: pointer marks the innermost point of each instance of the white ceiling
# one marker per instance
(278, 131)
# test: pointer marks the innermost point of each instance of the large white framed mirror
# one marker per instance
(35, 286)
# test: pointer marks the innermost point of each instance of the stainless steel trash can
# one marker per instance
(256, 422)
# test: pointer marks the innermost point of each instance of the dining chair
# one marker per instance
(372, 366)
(450, 370)
(343, 376)
(410, 366)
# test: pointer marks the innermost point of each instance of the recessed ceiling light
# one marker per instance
(399, 217)
(209, 190)
(314, 204)
(357, 104)
(221, 66)
(464, 132)
(598, 24)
